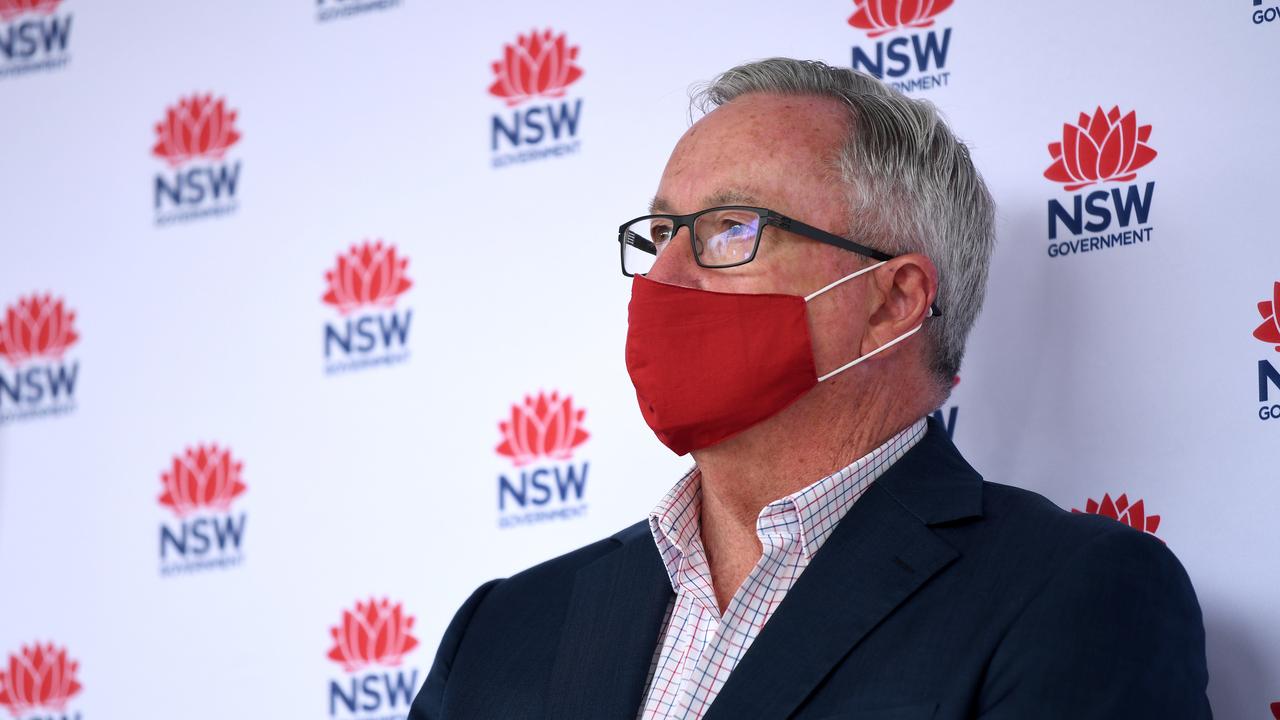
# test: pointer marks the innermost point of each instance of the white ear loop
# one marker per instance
(842, 280)
(885, 346)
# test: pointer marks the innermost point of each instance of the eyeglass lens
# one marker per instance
(721, 238)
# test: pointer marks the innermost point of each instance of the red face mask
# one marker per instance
(708, 365)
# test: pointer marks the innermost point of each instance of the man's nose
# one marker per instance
(676, 264)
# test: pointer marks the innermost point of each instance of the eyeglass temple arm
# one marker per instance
(814, 233)
(627, 237)
(820, 235)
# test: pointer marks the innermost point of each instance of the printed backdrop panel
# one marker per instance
(313, 320)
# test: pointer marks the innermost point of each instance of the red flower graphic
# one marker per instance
(204, 477)
(375, 633)
(10, 9)
(537, 65)
(39, 677)
(545, 426)
(878, 17)
(1275, 709)
(1269, 330)
(1134, 515)
(197, 127)
(1101, 148)
(36, 327)
(369, 274)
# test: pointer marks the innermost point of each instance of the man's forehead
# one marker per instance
(760, 149)
(721, 196)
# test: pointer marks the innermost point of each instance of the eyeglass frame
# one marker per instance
(767, 217)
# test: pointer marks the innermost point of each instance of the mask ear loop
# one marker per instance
(883, 347)
(842, 280)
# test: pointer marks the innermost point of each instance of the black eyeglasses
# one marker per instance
(721, 237)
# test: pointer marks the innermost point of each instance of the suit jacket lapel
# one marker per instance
(879, 554)
(611, 632)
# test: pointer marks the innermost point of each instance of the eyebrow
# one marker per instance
(729, 196)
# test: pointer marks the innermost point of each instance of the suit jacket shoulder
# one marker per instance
(524, 614)
(1103, 623)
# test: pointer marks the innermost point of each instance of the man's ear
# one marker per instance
(904, 288)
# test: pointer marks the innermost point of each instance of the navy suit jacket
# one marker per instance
(938, 596)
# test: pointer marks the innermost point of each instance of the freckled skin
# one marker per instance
(781, 151)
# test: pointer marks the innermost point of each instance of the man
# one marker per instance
(814, 259)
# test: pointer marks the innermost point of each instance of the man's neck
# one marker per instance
(820, 434)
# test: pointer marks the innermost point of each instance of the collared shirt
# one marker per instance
(698, 648)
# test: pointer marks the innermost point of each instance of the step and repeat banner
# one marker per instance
(311, 317)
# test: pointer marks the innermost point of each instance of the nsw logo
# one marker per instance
(915, 56)
(1102, 148)
(33, 36)
(1135, 515)
(1268, 376)
(193, 140)
(537, 67)
(1266, 14)
(327, 10)
(200, 487)
(539, 439)
(38, 682)
(364, 287)
(370, 644)
(35, 334)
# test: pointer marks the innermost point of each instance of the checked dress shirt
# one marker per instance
(698, 648)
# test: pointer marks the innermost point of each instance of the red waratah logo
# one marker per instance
(1275, 709)
(368, 274)
(199, 126)
(375, 633)
(36, 327)
(205, 476)
(1269, 330)
(1135, 515)
(10, 9)
(878, 17)
(1104, 147)
(39, 677)
(543, 426)
(537, 65)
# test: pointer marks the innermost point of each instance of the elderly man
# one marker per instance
(814, 259)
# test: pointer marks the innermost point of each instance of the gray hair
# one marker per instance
(911, 185)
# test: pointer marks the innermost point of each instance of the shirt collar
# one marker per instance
(676, 523)
(811, 512)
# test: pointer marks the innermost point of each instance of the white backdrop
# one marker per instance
(398, 444)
